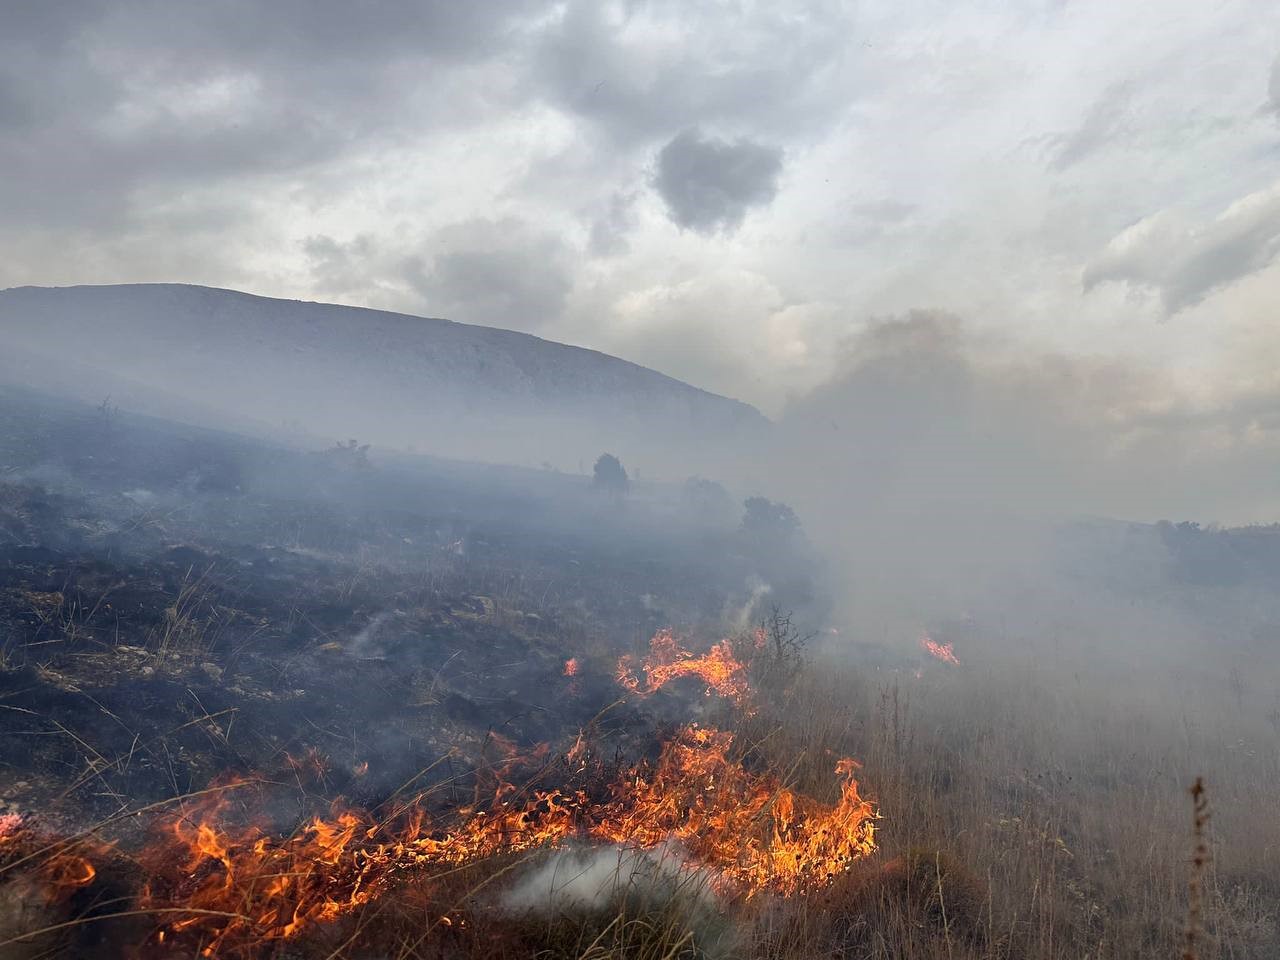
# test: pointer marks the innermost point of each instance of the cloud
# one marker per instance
(710, 184)
(1273, 88)
(978, 158)
(609, 230)
(1106, 120)
(109, 107)
(1185, 261)
(636, 72)
(722, 329)
(503, 273)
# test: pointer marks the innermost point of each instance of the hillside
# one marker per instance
(218, 356)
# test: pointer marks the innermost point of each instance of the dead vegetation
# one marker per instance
(981, 855)
(153, 650)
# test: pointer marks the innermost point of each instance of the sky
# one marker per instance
(733, 193)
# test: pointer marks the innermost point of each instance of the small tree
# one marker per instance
(611, 475)
(779, 650)
(768, 522)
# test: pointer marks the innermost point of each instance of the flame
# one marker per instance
(750, 832)
(719, 668)
(579, 749)
(571, 667)
(65, 869)
(943, 651)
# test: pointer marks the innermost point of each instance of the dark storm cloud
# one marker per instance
(763, 67)
(119, 118)
(100, 100)
(709, 184)
(294, 31)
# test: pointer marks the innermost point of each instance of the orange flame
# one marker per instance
(718, 668)
(748, 830)
(943, 651)
(571, 667)
(752, 833)
(64, 870)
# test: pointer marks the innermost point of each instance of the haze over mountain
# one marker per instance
(222, 357)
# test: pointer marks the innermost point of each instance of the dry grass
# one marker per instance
(1023, 817)
(1058, 819)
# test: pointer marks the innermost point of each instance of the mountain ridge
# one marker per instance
(350, 370)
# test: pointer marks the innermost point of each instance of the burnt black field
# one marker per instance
(177, 603)
(316, 627)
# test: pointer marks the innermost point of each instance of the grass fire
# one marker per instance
(223, 884)
(639, 480)
(268, 700)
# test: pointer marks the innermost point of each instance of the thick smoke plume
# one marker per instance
(945, 473)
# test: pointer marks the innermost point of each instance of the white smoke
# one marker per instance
(589, 880)
(741, 618)
(366, 643)
(616, 880)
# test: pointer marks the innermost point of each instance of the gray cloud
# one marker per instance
(760, 66)
(709, 184)
(102, 101)
(321, 148)
(505, 273)
(1273, 88)
(869, 221)
(609, 230)
(339, 269)
(1186, 262)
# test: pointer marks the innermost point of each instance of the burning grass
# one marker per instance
(1032, 812)
(746, 831)
(985, 856)
(226, 884)
(720, 669)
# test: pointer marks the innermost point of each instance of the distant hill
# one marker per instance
(223, 357)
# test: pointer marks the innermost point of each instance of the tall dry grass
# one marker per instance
(1028, 814)
(1055, 811)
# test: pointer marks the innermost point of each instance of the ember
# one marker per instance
(942, 651)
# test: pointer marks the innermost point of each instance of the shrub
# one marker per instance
(610, 475)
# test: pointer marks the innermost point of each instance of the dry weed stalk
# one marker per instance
(1199, 865)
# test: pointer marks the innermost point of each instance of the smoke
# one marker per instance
(740, 618)
(593, 880)
(658, 886)
(940, 471)
(366, 642)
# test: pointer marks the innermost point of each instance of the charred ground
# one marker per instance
(236, 602)
(336, 629)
